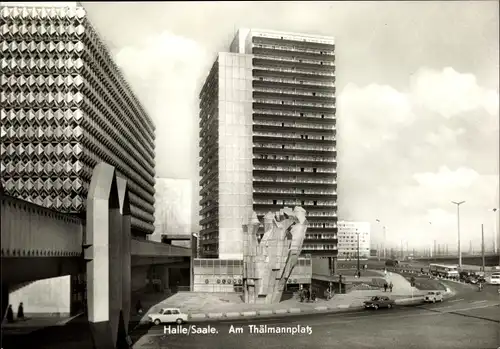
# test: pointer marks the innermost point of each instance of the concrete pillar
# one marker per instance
(106, 265)
(4, 298)
(126, 259)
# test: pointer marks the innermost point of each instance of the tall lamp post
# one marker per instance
(384, 228)
(495, 237)
(194, 254)
(458, 230)
(357, 233)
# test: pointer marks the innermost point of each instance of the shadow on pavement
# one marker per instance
(75, 335)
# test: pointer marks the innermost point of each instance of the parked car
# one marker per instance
(377, 302)
(168, 315)
(433, 296)
(494, 279)
(391, 263)
(472, 280)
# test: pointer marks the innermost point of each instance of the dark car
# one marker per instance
(391, 263)
(377, 302)
(472, 280)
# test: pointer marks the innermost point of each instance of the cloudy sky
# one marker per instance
(417, 106)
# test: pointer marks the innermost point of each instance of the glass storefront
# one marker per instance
(226, 275)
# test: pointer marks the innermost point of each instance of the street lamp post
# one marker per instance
(358, 253)
(495, 237)
(384, 228)
(458, 230)
(194, 254)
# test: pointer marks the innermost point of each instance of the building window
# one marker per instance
(307, 136)
(314, 93)
(303, 203)
(274, 202)
(315, 203)
(322, 138)
(301, 136)
(282, 146)
(314, 170)
(282, 102)
(303, 191)
(282, 124)
(301, 114)
(301, 169)
(322, 116)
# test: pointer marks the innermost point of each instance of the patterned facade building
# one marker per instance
(65, 106)
(268, 139)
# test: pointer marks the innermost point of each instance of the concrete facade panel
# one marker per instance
(235, 153)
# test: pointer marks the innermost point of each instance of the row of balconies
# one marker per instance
(321, 115)
(304, 180)
(294, 81)
(294, 158)
(293, 136)
(295, 71)
(322, 225)
(321, 236)
(294, 92)
(294, 60)
(314, 247)
(294, 103)
(331, 203)
(295, 146)
(294, 191)
(294, 127)
(323, 214)
(292, 48)
(294, 169)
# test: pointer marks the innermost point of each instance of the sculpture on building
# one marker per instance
(267, 264)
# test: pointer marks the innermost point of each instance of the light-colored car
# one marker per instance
(433, 296)
(494, 279)
(168, 315)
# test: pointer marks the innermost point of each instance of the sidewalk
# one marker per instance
(203, 306)
(29, 325)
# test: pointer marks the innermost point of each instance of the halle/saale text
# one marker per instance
(189, 330)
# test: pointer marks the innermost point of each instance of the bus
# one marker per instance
(444, 270)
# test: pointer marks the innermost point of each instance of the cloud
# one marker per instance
(165, 70)
(374, 113)
(445, 178)
(402, 158)
(449, 93)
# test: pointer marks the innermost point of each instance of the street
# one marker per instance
(470, 320)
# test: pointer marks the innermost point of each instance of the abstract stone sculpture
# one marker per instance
(267, 264)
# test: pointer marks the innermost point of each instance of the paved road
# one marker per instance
(470, 320)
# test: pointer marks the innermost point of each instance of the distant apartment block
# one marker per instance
(173, 206)
(268, 139)
(348, 233)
